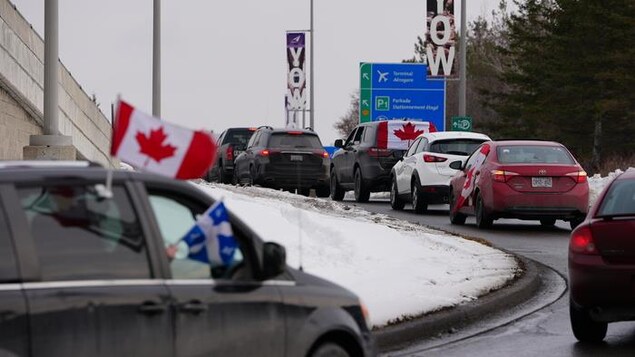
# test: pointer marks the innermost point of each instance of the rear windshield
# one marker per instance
(529, 154)
(455, 146)
(619, 200)
(238, 137)
(294, 141)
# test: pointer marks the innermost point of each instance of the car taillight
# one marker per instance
(295, 132)
(502, 176)
(377, 152)
(432, 158)
(582, 241)
(321, 153)
(264, 152)
(230, 153)
(578, 176)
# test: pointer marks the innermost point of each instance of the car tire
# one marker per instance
(337, 192)
(330, 349)
(252, 175)
(575, 222)
(395, 202)
(584, 328)
(455, 217)
(548, 222)
(362, 194)
(483, 220)
(223, 176)
(419, 205)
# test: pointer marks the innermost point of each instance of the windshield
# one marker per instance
(294, 141)
(530, 154)
(462, 147)
(619, 200)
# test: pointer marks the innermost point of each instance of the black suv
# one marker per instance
(362, 163)
(286, 159)
(84, 272)
(231, 143)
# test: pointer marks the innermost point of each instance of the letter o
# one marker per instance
(296, 77)
(447, 30)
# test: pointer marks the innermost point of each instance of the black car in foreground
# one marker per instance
(231, 143)
(84, 271)
(288, 159)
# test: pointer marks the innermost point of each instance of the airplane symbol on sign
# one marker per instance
(383, 76)
(296, 39)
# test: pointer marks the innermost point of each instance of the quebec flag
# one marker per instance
(211, 240)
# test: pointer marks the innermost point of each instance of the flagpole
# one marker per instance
(156, 60)
(312, 87)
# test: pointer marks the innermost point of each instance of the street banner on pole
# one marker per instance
(296, 79)
(440, 42)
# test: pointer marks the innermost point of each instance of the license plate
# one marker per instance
(541, 182)
(296, 158)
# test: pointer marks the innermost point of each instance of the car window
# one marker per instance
(413, 147)
(529, 154)
(369, 136)
(619, 200)
(294, 141)
(462, 147)
(8, 270)
(176, 217)
(238, 137)
(358, 135)
(254, 139)
(351, 136)
(79, 235)
(422, 145)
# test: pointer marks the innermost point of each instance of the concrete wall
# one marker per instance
(22, 95)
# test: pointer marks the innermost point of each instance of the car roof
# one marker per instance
(627, 175)
(286, 130)
(526, 142)
(442, 135)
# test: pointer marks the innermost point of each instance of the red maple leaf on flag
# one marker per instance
(153, 146)
(408, 132)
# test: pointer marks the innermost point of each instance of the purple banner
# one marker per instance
(295, 39)
(296, 78)
(440, 43)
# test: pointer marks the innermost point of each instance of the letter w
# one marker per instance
(446, 62)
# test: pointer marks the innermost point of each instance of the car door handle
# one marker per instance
(193, 307)
(151, 308)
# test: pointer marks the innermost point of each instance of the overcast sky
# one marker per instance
(224, 62)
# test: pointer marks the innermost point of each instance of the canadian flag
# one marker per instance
(399, 134)
(149, 144)
(470, 180)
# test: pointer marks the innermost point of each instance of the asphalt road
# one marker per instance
(543, 328)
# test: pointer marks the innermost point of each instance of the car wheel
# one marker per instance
(337, 193)
(455, 217)
(575, 222)
(329, 349)
(548, 222)
(419, 205)
(584, 328)
(252, 175)
(483, 219)
(395, 202)
(223, 176)
(361, 193)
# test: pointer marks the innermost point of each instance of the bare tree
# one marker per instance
(349, 121)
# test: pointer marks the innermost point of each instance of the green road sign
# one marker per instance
(365, 93)
(461, 124)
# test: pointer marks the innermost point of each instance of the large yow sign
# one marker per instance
(296, 78)
(440, 38)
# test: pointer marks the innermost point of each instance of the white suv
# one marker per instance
(423, 175)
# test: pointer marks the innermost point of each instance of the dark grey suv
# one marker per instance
(83, 273)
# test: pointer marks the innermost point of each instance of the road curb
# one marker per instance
(522, 289)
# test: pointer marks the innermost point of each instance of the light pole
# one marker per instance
(312, 77)
(51, 67)
(463, 64)
(156, 60)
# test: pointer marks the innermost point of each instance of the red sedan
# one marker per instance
(524, 179)
(602, 262)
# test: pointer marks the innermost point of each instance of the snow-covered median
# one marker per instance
(398, 269)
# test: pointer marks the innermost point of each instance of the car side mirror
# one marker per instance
(274, 258)
(457, 165)
(339, 143)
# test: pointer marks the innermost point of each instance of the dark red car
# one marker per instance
(524, 179)
(602, 262)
